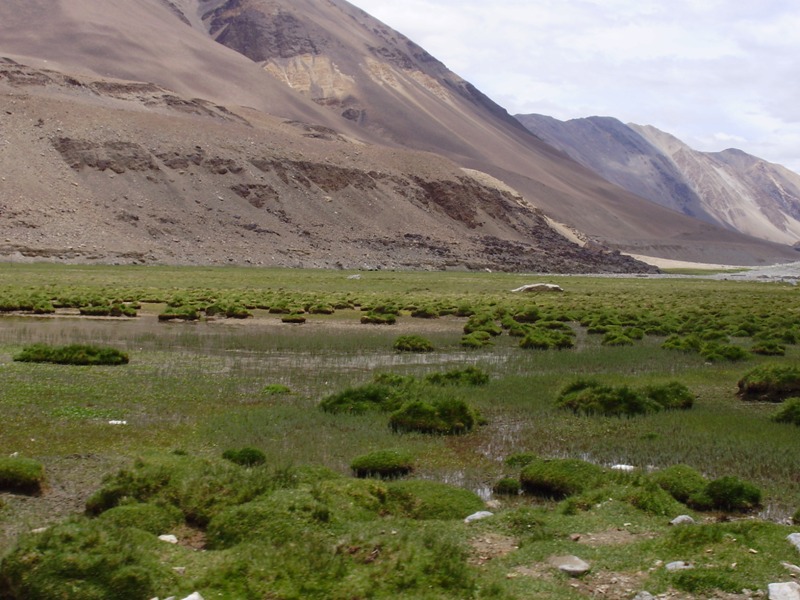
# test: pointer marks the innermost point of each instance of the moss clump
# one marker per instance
(770, 383)
(386, 464)
(180, 313)
(733, 494)
(682, 482)
(294, 317)
(276, 389)
(507, 486)
(670, 396)
(559, 478)
(440, 416)
(21, 475)
(412, 343)
(467, 376)
(74, 354)
(154, 518)
(358, 400)
(520, 459)
(789, 412)
(379, 318)
(590, 397)
(542, 337)
(476, 339)
(246, 457)
(420, 499)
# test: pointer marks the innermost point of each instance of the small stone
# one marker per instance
(678, 565)
(194, 596)
(481, 514)
(179, 570)
(791, 568)
(784, 591)
(169, 538)
(575, 537)
(682, 520)
(644, 596)
(794, 539)
(571, 565)
(624, 468)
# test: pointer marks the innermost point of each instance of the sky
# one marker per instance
(715, 73)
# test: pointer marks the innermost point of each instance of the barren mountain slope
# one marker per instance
(363, 80)
(100, 170)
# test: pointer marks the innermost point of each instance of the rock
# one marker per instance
(169, 538)
(791, 568)
(644, 596)
(794, 539)
(481, 514)
(179, 570)
(194, 596)
(682, 520)
(625, 468)
(784, 591)
(571, 565)
(354, 277)
(678, 565)
(539, 287)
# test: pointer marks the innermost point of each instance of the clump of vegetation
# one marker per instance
(379, 318)
(386, 464)
(229, 310)
(180, 313)
(74, 354)
(770, 383)
(484, 322)
(420, 499)
(682, 482)
(507, 486)
(246, 457)
(358, 400)
(590, 397)
(413, 343)
(476, 339)
(789, 412)
(21, 475)
(153, 518)
(445, 416)
(559, 478)
(276, 389)
(733, 494)
(467, 376)
(542, 337)
(768, 348)
(520, 459)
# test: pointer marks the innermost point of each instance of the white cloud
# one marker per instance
(694, 68)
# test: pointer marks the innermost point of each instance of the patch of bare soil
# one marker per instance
(489, 546)
(611, 537)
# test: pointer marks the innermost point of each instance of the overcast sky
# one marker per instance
(715, 73)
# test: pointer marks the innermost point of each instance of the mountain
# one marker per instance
(730, 188)
(298, 132)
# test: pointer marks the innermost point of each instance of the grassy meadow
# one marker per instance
(196, 387)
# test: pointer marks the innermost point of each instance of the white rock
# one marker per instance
(169, 538)
(194, 596)
(794, 539)
(644, 596)
(790, 567)
(481, 514)
(354, 277)
(117, 422)
(678, 565)
(625, 468)
(571, 565)
(784, 591)
(682, 520)
(539, 287)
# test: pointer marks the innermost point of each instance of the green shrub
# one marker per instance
(593, 398)
(86, 560)
(715, 351)
(771, 383)
(419, 499)
(276, 389)
(468, 376)
(378, 318)
(358, 400)
(413, 343)
(559, 478)
(21, 475)
(476, 339)
(246, 457)
(75, 354)
(789, 412)
(520, 459)
(732, 494)
(670, 396)
(507, 486)
(769, 348)
(439, 416)
(643, 495)
(387, 464)
(153, 518)
(682, 482)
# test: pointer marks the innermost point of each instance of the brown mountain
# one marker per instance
(731, 188)
(278, 132)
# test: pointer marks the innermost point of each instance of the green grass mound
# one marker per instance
(379, 318)
(412, 343)
(519, 460)
(670, 396)
(276, 389)
(246, 457)
(733, 494)
(507, 486)
(21, 475)
(467, 376)
(476, 340)
(770, 383)
(74, 354)
(85, 560)
(386, 464)
(540, 337)
(153, 518)
(590, 397)
(180, 313)
(682, 482)
(789, 412)
(643, 495)
(559, 478)
(445, 416)
(365, 398)
(425, 500)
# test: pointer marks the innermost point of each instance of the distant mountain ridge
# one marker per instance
(729, 188)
